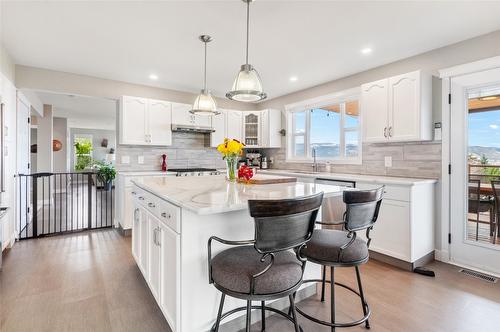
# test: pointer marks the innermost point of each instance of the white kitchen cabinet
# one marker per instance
(159, 122)
(270, 122)
(374, 105)
(181, 115)
(136, 234)
(219, 127)
(170, 274)
(227, 124)
(133, 117)
(252, 128)
(234, 123)
(145, 121)
(144, 235)
(398, 108)
(154, 256)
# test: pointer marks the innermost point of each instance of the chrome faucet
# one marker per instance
(315, 165)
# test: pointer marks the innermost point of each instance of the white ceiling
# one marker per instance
(82, 112)
(317, 41)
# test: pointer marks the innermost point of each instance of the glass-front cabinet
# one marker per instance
(251, 128)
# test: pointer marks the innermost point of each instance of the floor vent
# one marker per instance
(480, 275)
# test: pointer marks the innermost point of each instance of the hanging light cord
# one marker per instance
(205, 69)
(248, 27)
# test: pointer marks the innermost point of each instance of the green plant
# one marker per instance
(483, 160)
(105, 172)
(83, 148)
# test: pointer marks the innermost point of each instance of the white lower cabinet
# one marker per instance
(154, 256)
(156, 250)
(170, 274)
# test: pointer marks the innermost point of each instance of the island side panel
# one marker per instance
(199, 299)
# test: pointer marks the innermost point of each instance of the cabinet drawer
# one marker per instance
(394, 192)
(170, 215)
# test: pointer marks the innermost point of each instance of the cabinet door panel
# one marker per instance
(251, 129)
(160, 122)
(404, 107)
(219, 125)
(133, 120)
(374, 108)
(154, 256)
(136, 235)
(234, 125)
(203, 120)
(391, 232)
(181, 115)
(144, 221)
(170, 275)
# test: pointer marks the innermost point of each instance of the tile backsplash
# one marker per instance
(411, 159)
(187, 150)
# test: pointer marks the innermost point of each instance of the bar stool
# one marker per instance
(335, 248)
(269, 266)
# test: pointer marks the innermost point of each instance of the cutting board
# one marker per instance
(271, 179)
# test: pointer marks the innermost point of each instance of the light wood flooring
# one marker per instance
(89, 282)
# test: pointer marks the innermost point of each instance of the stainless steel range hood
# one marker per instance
(192, 129)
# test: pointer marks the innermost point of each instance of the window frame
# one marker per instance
(306, 106)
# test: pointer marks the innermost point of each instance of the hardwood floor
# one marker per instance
(89, 282)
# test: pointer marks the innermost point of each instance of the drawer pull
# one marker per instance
(133, 193)
(165, 215)
(151, 205)
(141, 198)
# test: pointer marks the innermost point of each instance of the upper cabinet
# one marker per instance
(145, 121)
(234, 125)
(252, 128)
(270, 128)
(181, 115)
(398, 108)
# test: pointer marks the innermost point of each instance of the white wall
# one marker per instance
(44, 140)
(61, 132)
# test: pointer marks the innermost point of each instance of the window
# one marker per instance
(330, 129)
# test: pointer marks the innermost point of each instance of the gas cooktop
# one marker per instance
(189, 170)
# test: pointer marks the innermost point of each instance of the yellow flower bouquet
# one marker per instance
(231, 150)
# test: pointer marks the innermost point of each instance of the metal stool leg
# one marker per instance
(219, 314)
(249, 315)
(332, 296)
(362, 296)
(294, 314)
(263, 304)
(323, 285)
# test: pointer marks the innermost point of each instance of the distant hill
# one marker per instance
(492, 153)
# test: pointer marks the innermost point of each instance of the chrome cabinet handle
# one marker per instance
(165, 215)
(158, 243)
(133, 193)
(390, 131)
(385, 132)
(136, 218)
(154, 236)
(151, 205)
(141, 198)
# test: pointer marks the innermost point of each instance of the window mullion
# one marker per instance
(341, 129)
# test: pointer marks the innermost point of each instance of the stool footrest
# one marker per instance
(346, 324)
(258, 307)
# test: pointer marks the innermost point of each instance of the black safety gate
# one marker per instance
(58, 203)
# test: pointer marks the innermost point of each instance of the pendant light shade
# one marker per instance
(205, 104)
(247, 86)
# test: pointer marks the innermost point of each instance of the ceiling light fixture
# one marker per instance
(153, 77)
(294, 79)
(247, 86)
(366, 50)
(205, 104)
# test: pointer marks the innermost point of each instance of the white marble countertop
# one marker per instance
(213, 194)
(352, 177)
(145, 173)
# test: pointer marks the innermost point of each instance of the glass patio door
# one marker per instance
(475, 164)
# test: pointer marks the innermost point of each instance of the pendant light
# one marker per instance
(205, 104)
(247, 86)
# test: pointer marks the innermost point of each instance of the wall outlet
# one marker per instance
(125, 160)
(388, 161)
(140, 159)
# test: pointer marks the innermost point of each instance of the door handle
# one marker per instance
(158, 238)
(385, 132)
(390, 131)
(154, 236)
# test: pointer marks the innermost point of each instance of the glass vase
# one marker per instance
(232, 168)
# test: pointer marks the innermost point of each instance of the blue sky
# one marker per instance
(484, 129)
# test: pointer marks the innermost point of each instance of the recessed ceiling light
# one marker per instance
(294, 79)
(366, 50)
(153, 77)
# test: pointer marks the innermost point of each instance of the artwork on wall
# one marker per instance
(56, 146)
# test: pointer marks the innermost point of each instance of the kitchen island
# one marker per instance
(173, 220)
